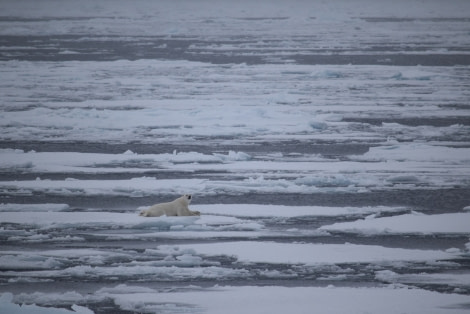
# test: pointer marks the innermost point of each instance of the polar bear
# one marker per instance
(178, 207)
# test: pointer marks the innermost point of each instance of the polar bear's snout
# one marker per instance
(187, 198)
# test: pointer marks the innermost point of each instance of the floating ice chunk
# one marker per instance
(386, 275)
(318, 125)
(314, 254)
(47, 220)
(413, 223)
(328, 74)
(164, 223)
(299, 300)
(191, 157)
(416, 152)
(129, 152)
(189, 260)
(452, 279)
(7, 306)
(68, 52)
(123, 288)
(33, 207)
(135, 187)
(161, 273)
(256, 210)
(234, 156)
(217, 220)
(245, 226)
(324, 181)
(11, 150)
(24, 261)
(453, 250)
(276, 274)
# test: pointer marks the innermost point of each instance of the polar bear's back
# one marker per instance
(162, 209)
(169, 209)
(162, 206)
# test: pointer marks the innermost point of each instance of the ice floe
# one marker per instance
(256, 210)
(9, 307)
(457, 280)
(281, 299)
(241, 94)
(33, 207)
(64, 220)
(417, 152)
(380, 168)
(274, 299)
(44, 227)
(104, 163)
(414, 223)
(314, 254)
(183, 113)
(135, 187)
(266, 299)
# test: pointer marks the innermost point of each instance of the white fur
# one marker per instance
(178, 207)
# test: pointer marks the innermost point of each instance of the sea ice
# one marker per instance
(453, 279)
(314, 254)
(454, 223)
(275, 299)
(256, 210)
(64, 220)
(33, 207)
(256, 86)
(417, 152)
(8, 307)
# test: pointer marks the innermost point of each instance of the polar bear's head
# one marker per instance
(187, 198)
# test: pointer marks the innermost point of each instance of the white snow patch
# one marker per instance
(255, 210)
(454, 223)
(135, 187)
(125, 289)
(99, 163)
(33, 207)
(273, 300)
(417, 152)
(314, 254)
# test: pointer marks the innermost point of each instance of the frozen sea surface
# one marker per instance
(327, 146)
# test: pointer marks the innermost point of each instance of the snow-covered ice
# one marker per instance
(455, 280)
(380, 168)
(51, 220)
(310, 254)
(11, 308)
(273, 299)
(255, 114)
(305, 299)
(33, 207)
(456, 223)
(254, 210)
(327, 147)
